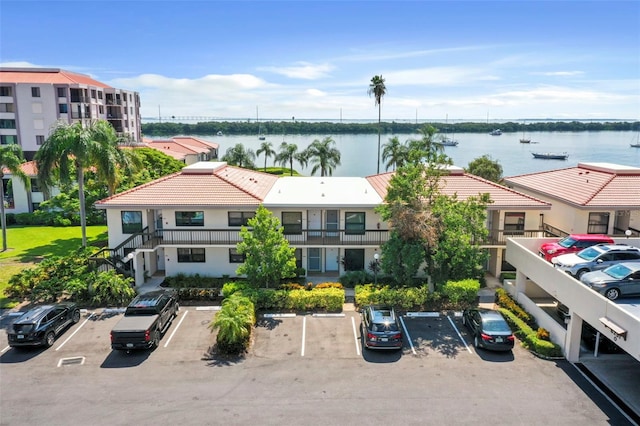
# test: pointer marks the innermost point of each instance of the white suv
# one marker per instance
(595, 258)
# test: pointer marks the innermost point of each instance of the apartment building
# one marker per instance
(32, 100)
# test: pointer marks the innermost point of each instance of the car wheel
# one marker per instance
(76, 316)
(156, 339)
(476, 342)
(175, 313)
(612, 293)
(581, 272)
(49, 339)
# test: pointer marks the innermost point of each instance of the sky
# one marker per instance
(311, 60)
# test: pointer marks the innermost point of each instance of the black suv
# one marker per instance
(380, 328)
(41, 325)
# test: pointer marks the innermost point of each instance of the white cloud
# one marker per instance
(559, 73)
(302, 70)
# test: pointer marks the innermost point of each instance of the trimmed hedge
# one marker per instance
(503, 299)
(529, 336)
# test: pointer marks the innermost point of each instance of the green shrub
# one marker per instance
(529, 337)
(324, 299)
(329, 285)
(543, 334)
(234, 323)
(507, 276)
(352, 278)
(198, 294)
(461, 293)
(503, 299)
(403, 299)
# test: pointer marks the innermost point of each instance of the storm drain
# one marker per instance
(78, 360)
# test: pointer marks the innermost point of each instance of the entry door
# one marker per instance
(331, 259)
(314, 222)
(332, 222)
(314, 260)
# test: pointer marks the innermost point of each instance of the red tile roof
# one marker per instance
(29, 168)
(466, 185)
(188, 140)
(211, 185)
(47, 76)
(587, 185)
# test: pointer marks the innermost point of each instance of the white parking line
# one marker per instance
(304, 330)
(4, 350)
(459, 335)
(406, 333)
(176, 329)
(355, 336)
(74, 333)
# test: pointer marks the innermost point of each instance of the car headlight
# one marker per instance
(599, 285)
(551, 251)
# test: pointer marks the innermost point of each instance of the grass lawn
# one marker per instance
(27, 245)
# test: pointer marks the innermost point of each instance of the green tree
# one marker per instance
(486, 168)
(394, 153)
(75, 148)
(234, 323)
(378, 90)
(11, 158)
(268, 257)
(239, 156)
(289, 152)
(323, 155)
(267, 149)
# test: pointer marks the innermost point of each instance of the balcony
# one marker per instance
(498, 237)
(110, 101)
(212, 237)
(80, 99)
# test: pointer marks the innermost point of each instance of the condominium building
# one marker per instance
(32, 100)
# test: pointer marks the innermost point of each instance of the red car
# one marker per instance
(572, 244)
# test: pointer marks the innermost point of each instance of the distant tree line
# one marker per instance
(331, 128)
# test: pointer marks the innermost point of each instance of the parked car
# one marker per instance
(489, 329)
(40, 326)
(572, 244)
(619, 280)
(380, 328)
(596, 258)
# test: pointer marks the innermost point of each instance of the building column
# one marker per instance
(521, 283)
(572, 339)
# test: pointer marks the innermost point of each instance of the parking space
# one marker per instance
(437, 335)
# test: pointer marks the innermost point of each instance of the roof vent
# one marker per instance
(323, 194)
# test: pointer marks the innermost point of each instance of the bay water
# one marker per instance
(359, 152)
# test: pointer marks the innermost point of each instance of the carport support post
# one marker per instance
(521, 283)
(572, 339)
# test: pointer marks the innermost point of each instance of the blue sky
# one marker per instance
(468, 60)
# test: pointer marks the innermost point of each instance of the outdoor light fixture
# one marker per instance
(376, 258)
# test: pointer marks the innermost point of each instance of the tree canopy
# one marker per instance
(268, 257)
(11, 158)
(486, 168)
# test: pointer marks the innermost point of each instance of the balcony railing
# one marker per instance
(373, 237)
(110, 101)
(498, 237)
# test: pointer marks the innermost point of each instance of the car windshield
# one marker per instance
(384, 326)
(617, 271)
(589, 253)
(495, 325)
(567, 242)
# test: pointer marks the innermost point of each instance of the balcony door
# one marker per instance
(332, 222)
(314, 260)
(314, 222)
(332, 259)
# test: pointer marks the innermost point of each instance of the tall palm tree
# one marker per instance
(323, 155)
(289, 152)
(10, 158)
(239, 156)
(378, 90)
(267, 149)
(395, 152)
(74, 148)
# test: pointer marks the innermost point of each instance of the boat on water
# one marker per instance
(525, 140)
(635, 145)
(550, 155)
(219, 133)
(496, 132)
(447, 142)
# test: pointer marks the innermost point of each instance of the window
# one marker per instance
(63, 108)
(35, 187)
(7, 124)
(131, 222)
(292, 222)
(598, 223)
(354, 222)
(513, 221)
(6, 108)
(93, 93)
(190, 218)
(61, 92)
(235, 257)
(39, 139)
(298, 254)
(35, 92)
(353, 260)
(191, 255)
(6, 91)
(240, 218)
(8, 139)
(101, 109)
(99, 95)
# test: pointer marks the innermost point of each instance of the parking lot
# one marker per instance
(296, 364)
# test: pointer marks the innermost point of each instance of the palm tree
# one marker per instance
(323, 155)
(395, 152)
(239, 156)
(10, 158)
(289, 152)
(426, 143)
(378, 89)
(267, 149)
(74, 148)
